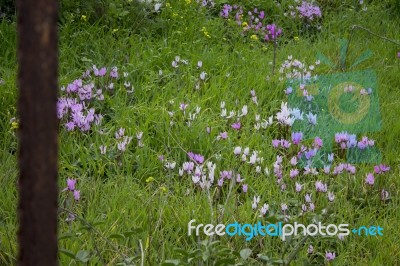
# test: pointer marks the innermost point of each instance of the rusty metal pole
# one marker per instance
(38, 144)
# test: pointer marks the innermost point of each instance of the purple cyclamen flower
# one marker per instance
(330, 256)
(298, 187)
(114, 72)
(70, 126)
(297, 137)
(294, 173)
(183, 106)
(223, 135)
(102, 71)
(244, 188)
(320, 187)
(276, 143)
(370, 179)
(307, 198)
(71, 184)
(330, 157)
(398, 54)
(379, 169)
(236, 125)
(318, 142)
(285, 144)
(77, 194)
(103, 149)
(312, 118)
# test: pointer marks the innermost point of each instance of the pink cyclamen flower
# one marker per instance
(236, 125)
(77, 194)
(276, 143)
(320, 187)
(294, 173)
(318, 142)
(71, 184)
(370, 179)
(330, 256)
(223, 135)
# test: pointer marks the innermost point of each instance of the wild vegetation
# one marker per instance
(178, 110)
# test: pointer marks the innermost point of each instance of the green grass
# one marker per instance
(115, 196)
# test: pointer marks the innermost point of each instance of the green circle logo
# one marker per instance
(347, 104)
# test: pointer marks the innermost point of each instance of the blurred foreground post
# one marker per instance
(37, 82)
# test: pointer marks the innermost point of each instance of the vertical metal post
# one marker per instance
(37, 82)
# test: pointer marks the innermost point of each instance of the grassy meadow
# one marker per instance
(184, 93)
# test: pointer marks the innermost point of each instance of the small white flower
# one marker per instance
(237, 150)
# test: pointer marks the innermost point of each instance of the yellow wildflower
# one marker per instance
(254, 37)
(188, 2)
(14, 125)
(296, 38)
(150, 179)
(83, 18)
(244, 24)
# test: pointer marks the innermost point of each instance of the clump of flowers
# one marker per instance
(81, 99)
(253, 23)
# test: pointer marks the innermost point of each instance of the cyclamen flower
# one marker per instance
(308, 10)
(331, 196)
(312, 118)
(71, 184)
(183, 106)
(297, 137)
(379, 169)
(284, 207)
(298, 187)
(114, 72)
(310, 249)
(77, 194)
(264, 209)
(370, 179)
(318, 142)
(384, 195)
(256, 200)
(237, 150)
(196, 157)
(236, 125)
(244, 188)
(276, 143)
(223, 135)
(103, 149)
(330, 256)
(308, 198)
(294, 173)
(203, 75)
(320, 187)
